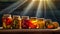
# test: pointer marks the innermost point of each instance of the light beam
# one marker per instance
(13, 6)
(39, 9)
(27, 9)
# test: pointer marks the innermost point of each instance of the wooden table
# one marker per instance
(30, 31)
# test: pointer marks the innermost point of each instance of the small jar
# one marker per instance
(33, 23)
(41, 23)
(25, 22)
(16, 22)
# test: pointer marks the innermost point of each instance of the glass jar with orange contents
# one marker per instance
(7, 21)
(33, 23)
(41, 23)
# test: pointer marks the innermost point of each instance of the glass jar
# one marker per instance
(25, 22)
(16, 22)
(7, 21)
(41, 23)
(33, 23)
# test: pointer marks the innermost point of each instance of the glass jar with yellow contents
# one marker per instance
(41, 23)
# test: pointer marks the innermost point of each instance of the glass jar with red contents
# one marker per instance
(7, 21)
(33, 23)
(25, 22)
(16, 22)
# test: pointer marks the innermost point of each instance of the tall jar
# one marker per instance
(7, 21)
(16, 22)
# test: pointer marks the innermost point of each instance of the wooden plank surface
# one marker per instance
(29, 30)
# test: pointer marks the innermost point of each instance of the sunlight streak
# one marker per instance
(27, 9)
(14, 6)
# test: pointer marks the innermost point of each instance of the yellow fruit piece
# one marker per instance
(4, 25)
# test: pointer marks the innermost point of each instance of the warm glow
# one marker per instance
(42, 5)
(34, 21)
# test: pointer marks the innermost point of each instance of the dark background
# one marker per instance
(49, 15)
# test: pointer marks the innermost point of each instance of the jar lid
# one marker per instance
(25, 17)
